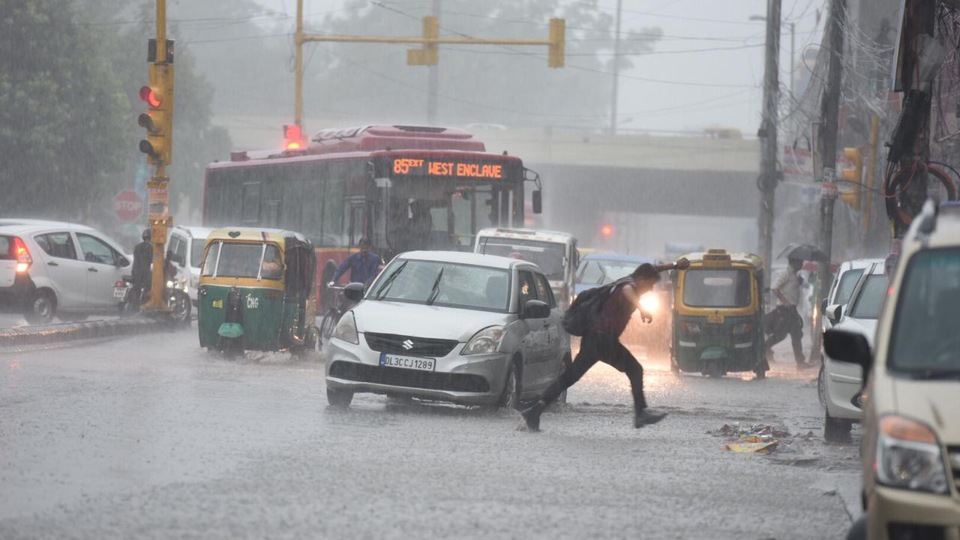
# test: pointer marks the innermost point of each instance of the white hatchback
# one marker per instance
(58, 269)
(462, 327)
(186, 244)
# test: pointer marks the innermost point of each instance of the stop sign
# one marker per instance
(127, 205)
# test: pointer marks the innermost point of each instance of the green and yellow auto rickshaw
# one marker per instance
(256, 292)
(718, 315)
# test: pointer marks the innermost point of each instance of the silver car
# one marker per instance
(839, 383)
(450, 326)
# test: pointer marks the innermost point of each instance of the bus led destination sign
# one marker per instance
(427, 167)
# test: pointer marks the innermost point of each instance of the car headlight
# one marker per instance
(485, 341)
(909, 456)
(650, 303)
(346, 329)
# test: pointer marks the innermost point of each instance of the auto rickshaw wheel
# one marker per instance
(231, 348)
(713, 369)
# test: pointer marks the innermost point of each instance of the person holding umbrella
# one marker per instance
(785, 318)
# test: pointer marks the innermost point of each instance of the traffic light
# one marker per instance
(292, 137)
(158, 121)
(853, 176)
(606, 231)
(557, 43)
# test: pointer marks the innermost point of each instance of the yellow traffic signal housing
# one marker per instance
(429, 55)
(557, 43)
(853, 178)
(158, 120)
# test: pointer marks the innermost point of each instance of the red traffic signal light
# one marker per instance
(606, 231)
(293, 137)
(149, 96)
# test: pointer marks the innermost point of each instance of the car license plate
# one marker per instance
(407, 362)
(119, 292)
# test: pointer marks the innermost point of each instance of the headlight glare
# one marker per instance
(485, 341)
(650, 302)
(346, 329)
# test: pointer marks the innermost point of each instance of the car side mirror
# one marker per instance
(353, 291)
(536, 309)
(537, 202)
(848, 347)
(834, 312)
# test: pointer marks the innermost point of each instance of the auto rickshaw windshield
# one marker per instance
(241, 260)
(717, 288)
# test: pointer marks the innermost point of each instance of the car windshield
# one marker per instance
(848, 280)
(924, 337)
(547, 255)
(870, 299)
(443, 284)
(717, 288)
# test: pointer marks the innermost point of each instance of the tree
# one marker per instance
(61, 113)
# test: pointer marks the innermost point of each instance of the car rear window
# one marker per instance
(6, 245)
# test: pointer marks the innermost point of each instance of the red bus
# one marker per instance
(403, 187)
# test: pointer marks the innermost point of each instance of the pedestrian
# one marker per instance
(271, 267)
(363, 265)
(140, 273)
(785, 318)
(601, 341)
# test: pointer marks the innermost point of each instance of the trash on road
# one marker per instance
(758, 438)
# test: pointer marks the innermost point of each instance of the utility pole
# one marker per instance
(616, 72)
(768, 136)
(827, 148)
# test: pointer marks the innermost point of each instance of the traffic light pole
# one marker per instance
(427, 55)
(157, 191)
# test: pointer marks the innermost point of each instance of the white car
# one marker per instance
(450, 326)
(186, 244)
(58, 269)
(839, 383)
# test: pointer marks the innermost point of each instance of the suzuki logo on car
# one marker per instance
(407, 344)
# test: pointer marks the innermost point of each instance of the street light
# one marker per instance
(793, 27)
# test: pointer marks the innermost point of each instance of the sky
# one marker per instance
(706, 71)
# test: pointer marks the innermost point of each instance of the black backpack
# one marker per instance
(586, 308)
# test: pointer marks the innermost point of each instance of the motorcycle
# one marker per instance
(175, 292)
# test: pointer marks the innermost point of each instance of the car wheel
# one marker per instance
(835, 429)
(510, 398)
(339, 398)
(41, 308)
(822, 386)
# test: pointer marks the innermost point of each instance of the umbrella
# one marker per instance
(804, 252)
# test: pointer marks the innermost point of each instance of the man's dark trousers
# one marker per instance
(604, 348)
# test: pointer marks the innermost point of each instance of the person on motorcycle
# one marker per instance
(140, 273)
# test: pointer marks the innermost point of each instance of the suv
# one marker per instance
(911, 429)
(49, 267)
(186, 244)
(838, 384)
(554, 252)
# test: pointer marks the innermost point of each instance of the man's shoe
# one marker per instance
(646, 418)
(531, 416)
(803, 366)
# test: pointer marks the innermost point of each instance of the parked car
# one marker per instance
(910, 447)
(186, 245)
(846, 278)
(438, 325)
(598, 269)
(554, 252)
(59, 269)
(839, 383)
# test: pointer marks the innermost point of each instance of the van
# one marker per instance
(553, 251)
(910, 446)
(186, 244)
